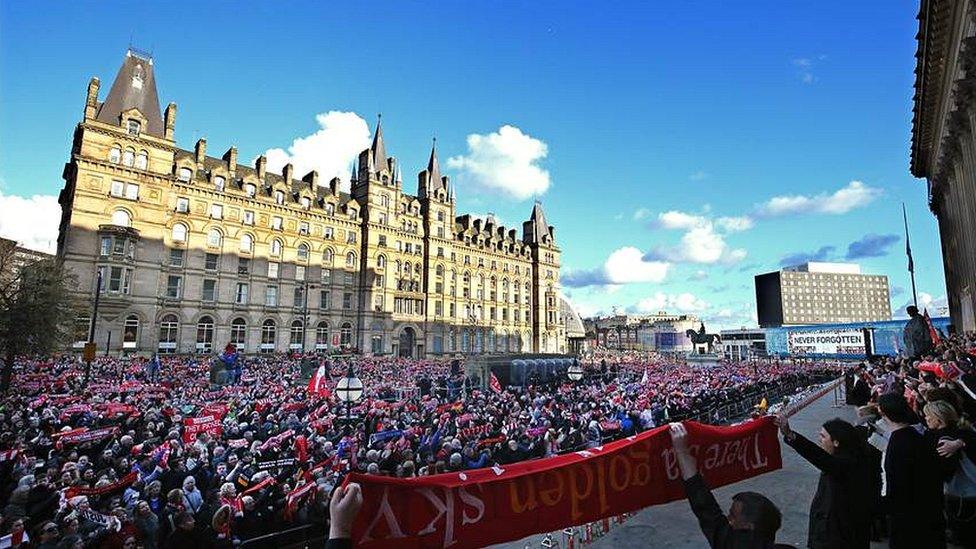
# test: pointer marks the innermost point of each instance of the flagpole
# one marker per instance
(908, 250)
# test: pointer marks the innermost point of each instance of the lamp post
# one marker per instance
(575, 371)
(349, 389)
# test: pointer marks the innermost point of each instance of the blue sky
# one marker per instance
(769, 130)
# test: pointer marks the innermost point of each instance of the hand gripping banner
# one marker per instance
(498, 504)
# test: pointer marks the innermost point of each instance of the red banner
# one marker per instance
(101, 490)
(204, 424)
(486, 506)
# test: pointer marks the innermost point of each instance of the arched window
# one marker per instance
(345, 335)
(297, 334)
(205, 332)
(219, 183)
(142, 160)
(268, 333)
(350, 260)
(130, 332)
(303, 252)
(322, 335)
(169, 329)
(327, 256)
(115, 154)
(380, 261)
(185, 174)
(179, 232)
(238, 333)
(276, 247)
(129, 156)
(214, 238)
(440, 270)
(279, 197)
(247, 243)
(121, 218)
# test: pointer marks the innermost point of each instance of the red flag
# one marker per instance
(319, 384)
(495, 385)
(932, 331)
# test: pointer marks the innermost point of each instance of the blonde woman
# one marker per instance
(956, 443)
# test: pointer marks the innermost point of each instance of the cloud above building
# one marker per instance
(31, 221)
(871, 245)
(506, 160)
(703, 241)
(330, 150)
(684, 302)
(852, 196)
(623, 266)
(824, 253)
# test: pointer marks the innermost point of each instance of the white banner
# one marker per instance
(828, 342)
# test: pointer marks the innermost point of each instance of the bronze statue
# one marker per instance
(701, 338)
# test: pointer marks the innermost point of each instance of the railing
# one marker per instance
(299, 537)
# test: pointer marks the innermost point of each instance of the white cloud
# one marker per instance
(701, 243)
(660, 301)
(641, 213)
(626, 265)
(735, 224)
(506, 160)
(330, 150)
(854, 195)
(936, 306)
(679, 220)
(32, 222)
(698, 176)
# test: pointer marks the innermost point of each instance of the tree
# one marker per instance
(35, 308)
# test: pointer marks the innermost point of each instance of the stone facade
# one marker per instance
(943, 144)
(196, 251)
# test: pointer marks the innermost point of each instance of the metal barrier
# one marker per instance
(299, 537)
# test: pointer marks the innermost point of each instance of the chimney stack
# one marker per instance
(170, 121)
(230, 157)
(288, 173)
(261, 165)
(91, 102)
(334, 186)
(201, 150)
(312, 178)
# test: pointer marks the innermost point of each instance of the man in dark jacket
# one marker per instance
(917, 338)
(752, 521)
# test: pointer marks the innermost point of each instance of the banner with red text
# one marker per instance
(498, 504)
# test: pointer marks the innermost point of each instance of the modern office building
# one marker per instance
(821, 293)
(944, 145)
(196, 251)
(743, 343)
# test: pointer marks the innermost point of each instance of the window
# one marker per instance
(210, 262)
(238, 333)
(347, 300)
(179, 232)
(174, 287)
(268, 333)
(345, 335)
(272, 269)
(130, 332)
(382, 240)
(115, 279)
(324, 299)
(168, 331)
(176, 257)
(250, 190)
(121, 218)
(348, 279)
(185, 174)
(216, 211)
(303, 252)
(219, 183)
(248, 217)
(115, 155)
(297, 335)
(299, 296)
(327, 233)
(276, 247)
(350, 237)
(379, 281)
(303, 227)
(350, 260)
(182, 205)
(121, 189)
(276, 223)
(279, 197)
(326, 276)
(241, 295)
(322, 335)
(376, 344)
(330, 208)
(209, 290)
(106, 246)
(214, 238)
(306, 202)
(299, 272)
(243, 266)
(271, 296)
(352, 214)
(247, 243)
(380, 261)
(327, 256)
(129, 157)
(382, 219)
(133, 127)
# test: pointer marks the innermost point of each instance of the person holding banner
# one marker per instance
(753, 519)
(343, 510)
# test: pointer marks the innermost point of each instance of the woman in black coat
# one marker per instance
(840, 514)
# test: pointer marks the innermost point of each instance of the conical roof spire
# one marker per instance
(433, 169)
(134, 88)
(378, 149)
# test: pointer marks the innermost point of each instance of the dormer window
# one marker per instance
(133, 127)
(330, 208)
(306, 202)
(219, 183)
(279, 197)
(352, 214)
(250, 190)
(185, 174)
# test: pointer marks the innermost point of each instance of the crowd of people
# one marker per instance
(149, 453)
(905, 470)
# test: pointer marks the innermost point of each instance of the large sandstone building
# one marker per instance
(195, 251)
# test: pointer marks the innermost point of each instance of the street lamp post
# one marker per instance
(349, 389)
(575, 371)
